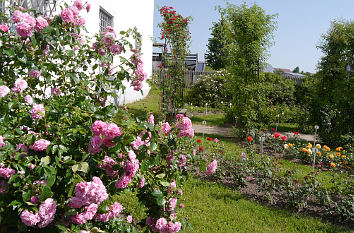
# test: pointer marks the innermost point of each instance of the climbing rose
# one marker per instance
(151, 119)
(277, 135)
(212, 167)
(88, 7)
(98, 127)
(24, 29)
(2, 141)
(284, 138)
(40, 23)
(111, 130)
(29, 99)
(47, 212)
(249, 138)
(67, 15)
(40, 145)
(4, 90)
(34, 73)
(37, 111)
(78, 4)
(20, 85)
(166, 128)
(6, 172)
(29, 219)
(4, 28)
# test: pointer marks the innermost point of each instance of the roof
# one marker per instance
(283, 70)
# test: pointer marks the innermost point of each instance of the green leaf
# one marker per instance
(157, 193)
(45, 160)
(51, 180)
(10, 52)
(26, 196)
(33, 40)
(161, 175)
(153, 146)
(164, 183)
(46, 193)
(54, 149)
(83, 167)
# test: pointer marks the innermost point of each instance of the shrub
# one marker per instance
(212, 89)
(66, 155)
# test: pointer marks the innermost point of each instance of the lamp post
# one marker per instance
(314, 149)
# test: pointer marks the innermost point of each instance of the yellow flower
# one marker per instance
(318, 146)
(309, 151)
(331, 156)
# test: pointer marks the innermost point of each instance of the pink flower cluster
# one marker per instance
(40, 145)
(4, 28)
(185, 126)
(37, 111)
(34, 73)
(70, 15)
(87, 193)
(2, 143)
(140, 75)
(44, 216)
(166, 128)
(4, 91)
(162, 226)
(26, 23)
(131, 166)
(20, 85)
(108, 130)
(29, 99)
(6, 172)
(107, 164)
(211, 168)
(113, 212)
(88, 214)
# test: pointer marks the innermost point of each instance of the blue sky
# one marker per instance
(300, 26)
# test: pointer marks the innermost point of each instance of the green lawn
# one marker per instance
(143, 107)
(211, 207)
(214, 119)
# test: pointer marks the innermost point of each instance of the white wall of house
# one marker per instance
(127, 14)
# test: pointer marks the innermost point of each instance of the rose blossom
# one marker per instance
(29, 219)
(20, 85)
(88, 7)
(4, 90)
(98, 127)
(2, 143)
(40, 23)
(4, 28)
(47, 212)
(29, 99)
(6, 172)
(37, 111)
(24, 30)
(212, 167)
(34, 73)
(78, 4)
(17, 16)
(166, 128)
(111, 130)
(129, 218)
(116, 49)
(40, 145)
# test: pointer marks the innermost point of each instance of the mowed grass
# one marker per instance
(143, 107)
(213, 119)
(211, 207)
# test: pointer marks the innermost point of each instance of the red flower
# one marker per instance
(273, 129)
(209, 139)
(277, 135)
(249, 138)
(284, 138)
(296, 133)
(199, 141)
(201, 149)
(265, 129)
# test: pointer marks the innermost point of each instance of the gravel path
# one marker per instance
(228, 132)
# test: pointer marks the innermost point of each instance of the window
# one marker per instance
(106, 19)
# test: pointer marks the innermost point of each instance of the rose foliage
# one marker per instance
(65, 154)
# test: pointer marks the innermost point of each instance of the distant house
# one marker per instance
(286, 73)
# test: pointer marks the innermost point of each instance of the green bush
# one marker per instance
(211, 89)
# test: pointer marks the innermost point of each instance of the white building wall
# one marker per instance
(127, 14)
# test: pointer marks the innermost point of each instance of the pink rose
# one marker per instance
(20, 85)
(40, 23)
(29, 99)
(34, 73)
(40, 145)
(47, 212)
(78, 4)
(166, 128)
(88, 7)
(98, 127)
(29, 219)
(4, 28)
(37, 111)
(17, 16)
(212, 167)
(116, 49)
(4, 90)
(24, 30)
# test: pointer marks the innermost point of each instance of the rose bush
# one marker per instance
(66, 155)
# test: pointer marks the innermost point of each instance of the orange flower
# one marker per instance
(331, 156)
(304, 150)
(290, 145)
(338, 154)
(343, 156)
(339, 148)
(326, 148)
(333, 164)
(319, 153)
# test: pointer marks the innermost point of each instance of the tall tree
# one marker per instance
(333, 105)
(250, 31)
(216, 56)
